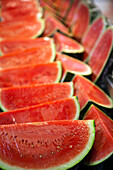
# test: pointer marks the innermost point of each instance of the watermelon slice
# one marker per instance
(52, 25)
(99, 57)
(33, 74)
(88, 91)
(30, 27)
(72, 12)
(73, 65)
(11, 46)
(16, 10)
(45, 145)
(66, 44)
(37, 55)
(80, 21)
(19, 97)
(65, 109)
(103, 145)
(92, 35)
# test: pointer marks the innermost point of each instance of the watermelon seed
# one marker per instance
(21, 155)
(53, 152)
(26, 141)
(70, 146)
(58, 147)
(22, 140)
(57, 150)
(40, 156)
(2, 134)
(6, 134)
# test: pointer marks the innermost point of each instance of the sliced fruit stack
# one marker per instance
(47, 83)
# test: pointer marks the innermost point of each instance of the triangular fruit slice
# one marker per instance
(73, 65)
(100, 54)
(11, 46)
(103, 144)
(65, 109)
(67, 44)
(16, 10)
(92, 35)
(30, 146)
(52, 24)
(25, 28)
(88, 91)
(32, 74)
(18, 97)
(31, 56)
(80, 21)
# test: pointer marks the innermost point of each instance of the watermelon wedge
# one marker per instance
(19, 97)
(11, 46)
(13, 10)
(52, 24)
(63, 143)
(99, 56)
(67, 44)
(33, 74)
(25, 28)
(88, 91)
(92, 35)
(80, 21)
(73, 65)
(72, 12)
(65, 109)
(103, 145)
(32, 56)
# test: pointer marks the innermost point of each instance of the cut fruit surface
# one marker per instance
(73, 65)
(63, 143)
(92, 35)
(81, 21)
(88, 91)
(103, 144)
(65, 109)
(32, 56)
(16, 10)
(19, 97)
(67, 44)
(25, 28)
(52, 25)
(33, 74)
(11, 46)
(99, 57)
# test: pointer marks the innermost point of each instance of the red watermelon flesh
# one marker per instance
(52, 24)
(32, 74)
(100, 54)
(66, 44)
(19, 97)
(65, 109)
(32, 56)
(45, 5)
(72, 12)
(103, 144)
(11, 46)
(45, 145)
(92, 35)
(73, 65)
(13, 10)
(30, 27)
(63, 8)
(88, 91)
(80, 21)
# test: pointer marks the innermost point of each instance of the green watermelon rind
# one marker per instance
(101, 160)
(53, 51)
(59, 71)
(72, 162)
(77, 107)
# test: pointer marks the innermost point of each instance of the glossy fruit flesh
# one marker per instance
(63, 143)
(103, 145)
(19, 97)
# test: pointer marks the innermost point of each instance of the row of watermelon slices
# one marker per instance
(60, 105)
